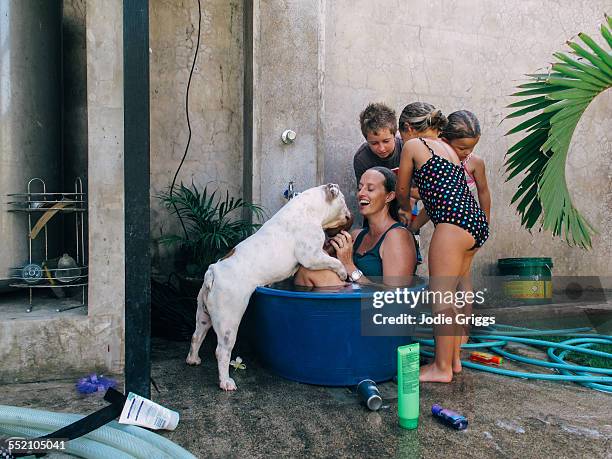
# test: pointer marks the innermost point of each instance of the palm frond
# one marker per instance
(555, 101)
(213, 226)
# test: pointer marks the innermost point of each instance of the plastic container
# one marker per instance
(141, 411)
(315, 337)
(369, 394)
(449, 417)
(408, 385)
(528, 280)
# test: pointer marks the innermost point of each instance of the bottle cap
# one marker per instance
(173, 422)
(435, 409)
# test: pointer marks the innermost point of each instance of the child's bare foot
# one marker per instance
(431, 373)
(457, 367)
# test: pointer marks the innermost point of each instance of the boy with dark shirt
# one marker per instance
(381, 148)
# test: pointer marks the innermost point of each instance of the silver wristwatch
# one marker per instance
(355, 275)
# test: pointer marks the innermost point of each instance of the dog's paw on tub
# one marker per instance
(193, 360)
(228, 384)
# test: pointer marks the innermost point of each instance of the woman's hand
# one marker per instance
(343, 243)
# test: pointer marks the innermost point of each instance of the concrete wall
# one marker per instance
(46, 344)
(105, 185)
(287, 84)
(75, 91)
(74, 161)
(455, 55)
(215, 103)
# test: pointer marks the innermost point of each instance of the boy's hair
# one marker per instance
(461, 124)
(377, 116)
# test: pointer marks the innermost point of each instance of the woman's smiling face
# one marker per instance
(372, 195)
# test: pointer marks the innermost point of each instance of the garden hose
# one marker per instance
(496, 337)
(111, 441)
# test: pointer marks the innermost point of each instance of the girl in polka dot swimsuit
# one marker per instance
(447, 198)
(461, 226)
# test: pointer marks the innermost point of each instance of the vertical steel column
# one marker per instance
(137, 182)
(247, 105)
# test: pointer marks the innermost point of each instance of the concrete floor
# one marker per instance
(272, 417)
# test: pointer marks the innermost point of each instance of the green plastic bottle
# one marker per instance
(408, 385)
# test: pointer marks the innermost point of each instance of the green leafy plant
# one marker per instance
(211, 227)
(557, 100)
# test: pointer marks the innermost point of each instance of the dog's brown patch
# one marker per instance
(229, 254)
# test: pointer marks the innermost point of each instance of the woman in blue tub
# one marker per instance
(382, 253)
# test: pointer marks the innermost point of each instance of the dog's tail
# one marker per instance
(209, 280)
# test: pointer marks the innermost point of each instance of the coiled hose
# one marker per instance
(494, 338)
(111, 441)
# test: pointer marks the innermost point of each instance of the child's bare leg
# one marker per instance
(447, 251)
(463, 332)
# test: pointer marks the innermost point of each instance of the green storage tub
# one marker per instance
(528, 280)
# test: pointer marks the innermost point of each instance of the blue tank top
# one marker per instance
(370, 263)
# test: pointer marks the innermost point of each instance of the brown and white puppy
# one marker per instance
(293, 236)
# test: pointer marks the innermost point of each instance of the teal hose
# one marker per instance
(129, 441)
(496, 337)
(79, 447)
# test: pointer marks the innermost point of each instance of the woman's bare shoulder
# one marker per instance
(397, 235)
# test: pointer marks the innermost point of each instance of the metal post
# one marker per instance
(136, 179)
(247, 106)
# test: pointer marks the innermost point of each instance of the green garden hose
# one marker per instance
(496, 337)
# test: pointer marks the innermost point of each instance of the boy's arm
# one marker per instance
(484, 195)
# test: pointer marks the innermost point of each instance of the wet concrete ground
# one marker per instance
(271, 417)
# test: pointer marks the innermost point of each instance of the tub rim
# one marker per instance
(265, 290)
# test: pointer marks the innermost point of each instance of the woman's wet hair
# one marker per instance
(389, 184)
(461, 125)
(375, 117)
(421, 116)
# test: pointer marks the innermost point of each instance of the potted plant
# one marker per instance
(211, 225)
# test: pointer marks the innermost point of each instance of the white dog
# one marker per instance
(293, 236)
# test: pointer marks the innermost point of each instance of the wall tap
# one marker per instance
(288, 136)
(290, 193)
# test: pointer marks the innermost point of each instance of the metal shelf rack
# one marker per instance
(41, 207)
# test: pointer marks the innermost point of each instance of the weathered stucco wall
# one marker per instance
(286, 96)
(455, 55)
(75, 91)
(105, 185)
(215, 103)
(46, 344)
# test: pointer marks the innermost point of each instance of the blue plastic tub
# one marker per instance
(315, 337)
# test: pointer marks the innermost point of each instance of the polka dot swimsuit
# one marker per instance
(447, 198)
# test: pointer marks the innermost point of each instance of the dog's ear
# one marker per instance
(331, 191)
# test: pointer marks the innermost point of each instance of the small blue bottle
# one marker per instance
(449, 417)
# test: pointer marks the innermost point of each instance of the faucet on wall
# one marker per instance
(290, 193)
